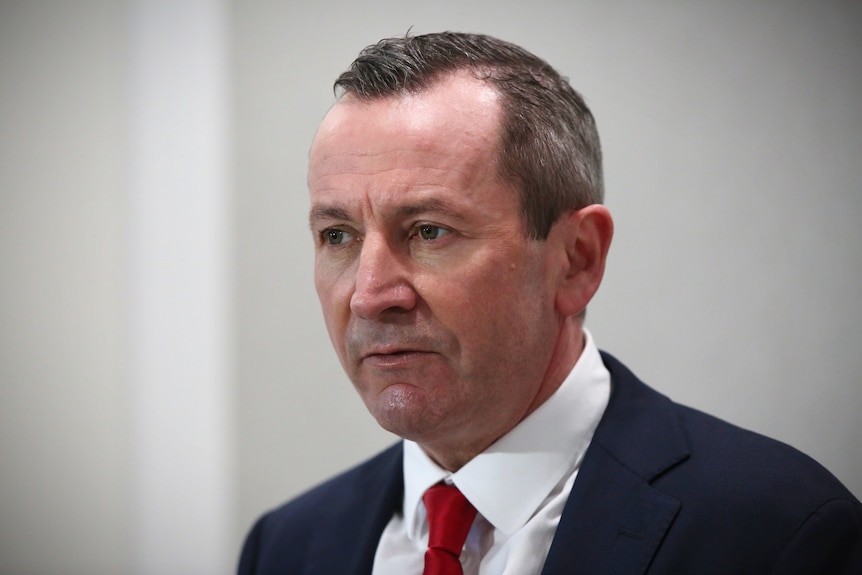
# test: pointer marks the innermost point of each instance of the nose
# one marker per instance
(382, 282)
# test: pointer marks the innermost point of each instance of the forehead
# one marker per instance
(451, 101)
(431, 152)
(457, 118)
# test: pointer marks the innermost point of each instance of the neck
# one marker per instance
(569, 347)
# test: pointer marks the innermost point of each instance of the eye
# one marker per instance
(429, 232)
(335, 237)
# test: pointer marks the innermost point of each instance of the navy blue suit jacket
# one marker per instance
(662, 489)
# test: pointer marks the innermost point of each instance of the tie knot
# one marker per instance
(450, 517)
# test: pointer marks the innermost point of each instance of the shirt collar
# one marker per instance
(509, 481)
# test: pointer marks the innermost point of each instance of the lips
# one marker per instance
(395, 358)
(383, 345)
(390, 350)
(367, 342)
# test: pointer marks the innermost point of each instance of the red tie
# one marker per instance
(450, 516)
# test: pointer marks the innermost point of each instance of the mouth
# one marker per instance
(395, 357)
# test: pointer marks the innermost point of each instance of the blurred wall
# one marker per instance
(116, 430)
(732, 146)
(64, 481)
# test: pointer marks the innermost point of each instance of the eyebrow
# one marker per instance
(432, 205)
(327, 213)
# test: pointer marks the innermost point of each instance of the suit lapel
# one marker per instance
(614, 519)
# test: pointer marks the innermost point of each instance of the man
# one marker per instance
(456, 196)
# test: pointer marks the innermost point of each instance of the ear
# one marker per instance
(587, 234)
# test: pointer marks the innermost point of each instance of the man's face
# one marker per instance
(439, 307)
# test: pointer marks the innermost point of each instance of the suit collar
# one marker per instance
(641, 427)
(614, 519)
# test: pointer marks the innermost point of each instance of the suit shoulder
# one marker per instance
(736, 457)
(771, 502)
(746, 503)
(714, 468)
(674, 445)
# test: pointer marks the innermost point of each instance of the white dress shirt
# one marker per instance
(519, 485)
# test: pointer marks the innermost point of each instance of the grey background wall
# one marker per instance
(65, 481)
(732, 147)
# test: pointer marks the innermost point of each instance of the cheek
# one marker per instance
(478, 315)
(335, 304)
(331, 281)
(508, 310)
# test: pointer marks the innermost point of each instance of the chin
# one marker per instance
(408, 415)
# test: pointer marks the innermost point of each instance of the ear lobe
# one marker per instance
(588, 233)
